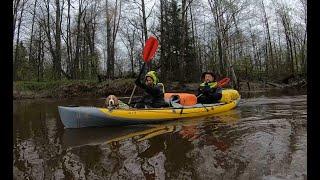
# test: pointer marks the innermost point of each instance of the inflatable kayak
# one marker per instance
(83, 116)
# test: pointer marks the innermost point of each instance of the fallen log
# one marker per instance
(275, 85)
(298, 84)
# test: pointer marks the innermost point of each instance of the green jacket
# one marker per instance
(209, 93)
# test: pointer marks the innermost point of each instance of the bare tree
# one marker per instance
(194, 36)
(40, 53)
(76, 62)
(269, 51)
(144, 28)
(16, 60)
(223, 17)
(287, 30)
(31, 58)
(69, 42)
(16, 4)
(144, 20)
(129, 40)
(55, 41)
(112, 21)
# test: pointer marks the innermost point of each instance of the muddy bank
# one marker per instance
(33, 90)
(119, 87)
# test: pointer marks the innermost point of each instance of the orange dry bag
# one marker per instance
(185, 99)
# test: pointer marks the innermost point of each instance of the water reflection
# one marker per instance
(264, 138)
(188, 129)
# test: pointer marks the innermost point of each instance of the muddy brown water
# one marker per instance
(265, 137)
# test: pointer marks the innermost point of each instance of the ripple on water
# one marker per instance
(263, 138)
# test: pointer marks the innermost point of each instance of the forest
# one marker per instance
(246, 40)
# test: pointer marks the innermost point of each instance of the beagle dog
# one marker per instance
(111, 102)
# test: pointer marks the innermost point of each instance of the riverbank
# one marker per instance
(118, 87)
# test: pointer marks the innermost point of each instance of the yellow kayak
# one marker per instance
(81, 116)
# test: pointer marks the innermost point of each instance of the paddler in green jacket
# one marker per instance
(153, 95)
(208, 92)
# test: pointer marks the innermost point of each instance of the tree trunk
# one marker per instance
(285, 24)
(214, 6)
(110, 66)
(76, 62)
(69, 44)
(196, 47)
(279, 54)
(145, 29)
(57, 63)
(131, 52)
(15, 13)
(31, 58)
(163, 74)
(183, 31)
(269, 50)
(112, 30)
(40, 50)
(303, 56)
(16, 60)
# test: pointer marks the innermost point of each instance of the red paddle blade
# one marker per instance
(223, 82)
(150, 49)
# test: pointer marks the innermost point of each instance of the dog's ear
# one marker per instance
(106, 102)
(116, 101)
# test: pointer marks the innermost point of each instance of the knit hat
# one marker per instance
(153, 75)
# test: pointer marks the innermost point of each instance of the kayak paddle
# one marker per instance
(223, 82)
(220, 84)
(149, 51)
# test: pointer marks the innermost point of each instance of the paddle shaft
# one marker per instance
(135, 86)
(219, 85)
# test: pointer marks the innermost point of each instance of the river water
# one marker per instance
(265, 137)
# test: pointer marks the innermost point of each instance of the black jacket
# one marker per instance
(208, 94)
(153, 96)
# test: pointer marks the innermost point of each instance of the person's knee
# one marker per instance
(139, 105)
(156, 105)
(217, 96)
(201, 99)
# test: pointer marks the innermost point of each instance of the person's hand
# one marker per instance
(137, 81)
(206, 89)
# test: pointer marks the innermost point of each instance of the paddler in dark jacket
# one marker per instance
(153, 95)
(208, 91)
